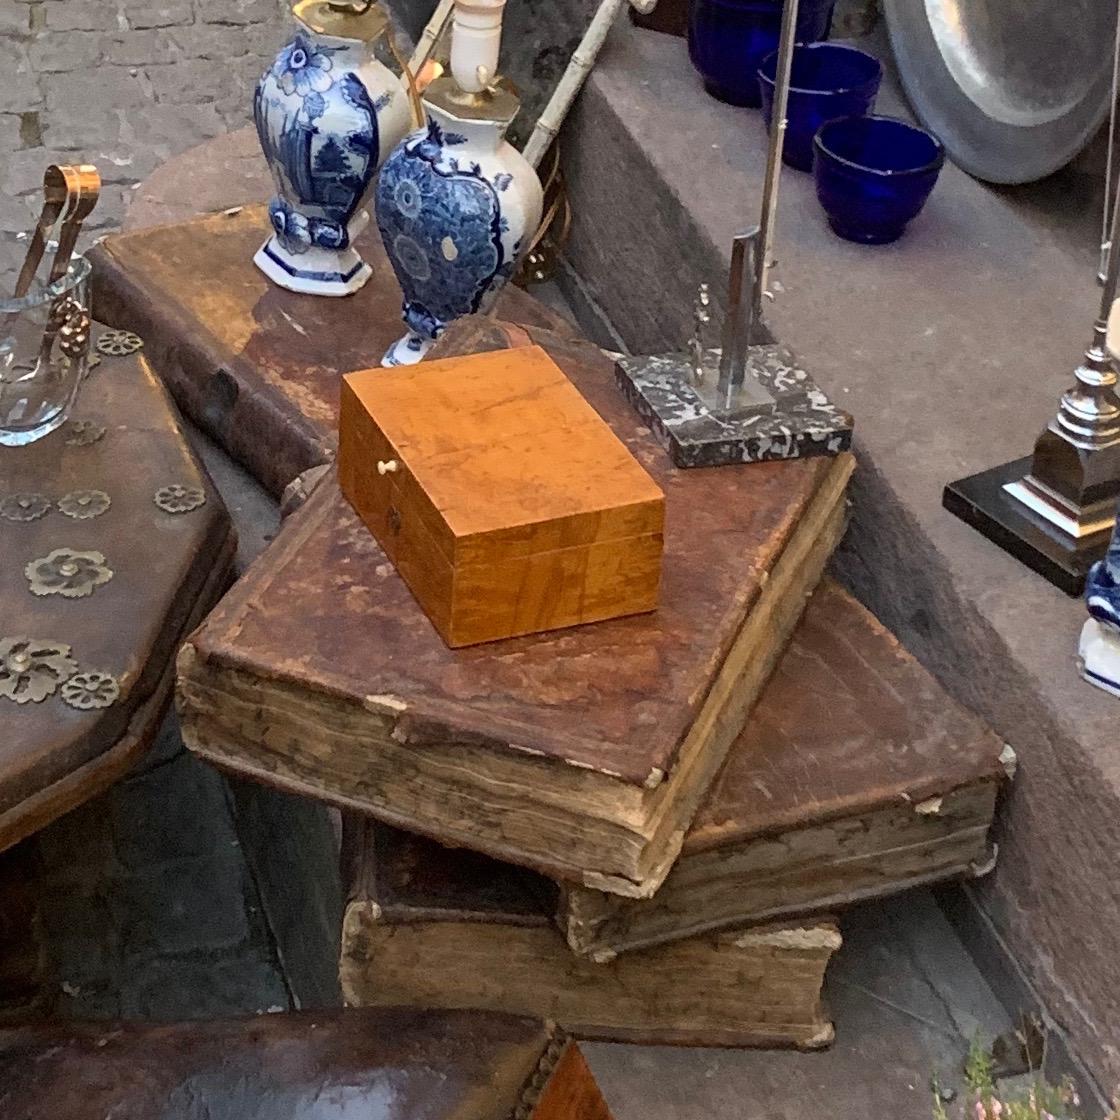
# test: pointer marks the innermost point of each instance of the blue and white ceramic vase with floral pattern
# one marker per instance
(1099, 651)
(457, 206)
(327, 114)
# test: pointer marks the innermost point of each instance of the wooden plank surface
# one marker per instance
(166, 569)
(603, 737)
(255, 366)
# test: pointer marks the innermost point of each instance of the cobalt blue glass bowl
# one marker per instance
(873, 175)
(829, 80)
(728, 39)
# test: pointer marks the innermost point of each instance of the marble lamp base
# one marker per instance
(780, 413)
(1098, 656)
(294, 264)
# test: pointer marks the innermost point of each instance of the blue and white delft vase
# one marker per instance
(1099, 651)
(457, 205)
(327, 114)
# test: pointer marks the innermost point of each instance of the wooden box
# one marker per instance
(507, 504)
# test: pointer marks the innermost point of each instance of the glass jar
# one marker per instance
(728, 39)
(44, 355)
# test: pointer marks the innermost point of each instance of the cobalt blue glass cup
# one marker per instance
(874, 175)
(728, 39)
(829, 80)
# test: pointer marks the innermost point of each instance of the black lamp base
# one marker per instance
(982, 501)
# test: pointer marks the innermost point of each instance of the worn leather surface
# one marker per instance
(325, 609)
(412, 878)
(256, 366)
(130, 626)
(376, 1064)
(848, 722)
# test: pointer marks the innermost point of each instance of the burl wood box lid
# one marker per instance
(507, 504)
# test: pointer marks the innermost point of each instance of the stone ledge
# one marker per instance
(951, 348)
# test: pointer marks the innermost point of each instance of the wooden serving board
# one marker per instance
(383, 1064)
(256, 366)
(161, 573)
(583, 753)
(427, 926)
(855, 777)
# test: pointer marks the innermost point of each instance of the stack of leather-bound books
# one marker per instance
(646, 827)
(643, 828)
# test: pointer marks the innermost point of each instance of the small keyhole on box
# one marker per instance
(394, 521)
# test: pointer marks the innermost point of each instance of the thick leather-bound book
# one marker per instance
(855, 777)
(378, 1064)
(257, 367)
(114, 546)
(583, 753)
(432, 927)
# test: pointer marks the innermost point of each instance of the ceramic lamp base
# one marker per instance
(316, 271)
(407, 350)
(1098, 656)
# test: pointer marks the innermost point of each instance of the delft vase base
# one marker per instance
(318, 272)
(1099, 656)
(983, 503)
(801, 422)
(407, 350)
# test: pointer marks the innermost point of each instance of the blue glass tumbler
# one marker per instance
(728, 39)
(829, 80)
(874, 175)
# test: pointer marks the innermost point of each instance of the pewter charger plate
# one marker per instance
(1014, 88)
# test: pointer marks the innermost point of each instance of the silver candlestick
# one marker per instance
(1074, 480)
(1055, 510)
(750, 400)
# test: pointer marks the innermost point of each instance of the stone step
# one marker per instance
(951, 348)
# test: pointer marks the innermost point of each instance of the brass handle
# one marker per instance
(390, 467)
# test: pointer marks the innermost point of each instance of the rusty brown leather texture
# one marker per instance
(849, 722)
(324, 609)
(254, 365)
(377, 1064)
(166, 569)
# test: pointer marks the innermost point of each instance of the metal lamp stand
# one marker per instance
(749, 400)
(1055, 510)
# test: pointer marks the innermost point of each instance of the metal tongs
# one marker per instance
(69, 193)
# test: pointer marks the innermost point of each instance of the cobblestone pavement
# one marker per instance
(123, 84)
